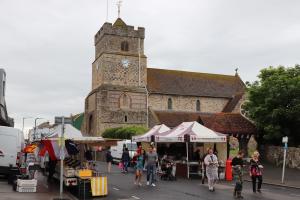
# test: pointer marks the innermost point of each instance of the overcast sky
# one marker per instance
(46, 46)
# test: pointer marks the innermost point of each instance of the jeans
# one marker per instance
(151, 169)
(254, 182)
(125, 166)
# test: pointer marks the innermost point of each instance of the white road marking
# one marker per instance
(116, 188)
(295, 195)
(135, 197)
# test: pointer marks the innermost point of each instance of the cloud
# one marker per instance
(47, 46)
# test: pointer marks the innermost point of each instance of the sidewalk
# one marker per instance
(272, 175)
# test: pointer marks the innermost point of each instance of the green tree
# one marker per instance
(273, 103)
(124, 132)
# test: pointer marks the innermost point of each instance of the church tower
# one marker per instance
(119, 55)
(119, 76)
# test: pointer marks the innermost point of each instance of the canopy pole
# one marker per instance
(62, 157)
(187, 160)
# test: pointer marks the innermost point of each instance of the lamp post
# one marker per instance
(34, 132)
(23, 122)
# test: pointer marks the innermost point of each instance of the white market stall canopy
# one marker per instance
(196, 132)
(70, 132)
(156, 130)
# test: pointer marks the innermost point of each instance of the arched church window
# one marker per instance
(90, 124)
(170, 104)
(198, 105)
(125, 101)
(124, 46)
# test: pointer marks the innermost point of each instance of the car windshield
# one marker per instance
(131, 146)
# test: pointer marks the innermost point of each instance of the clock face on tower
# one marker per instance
(125, 63)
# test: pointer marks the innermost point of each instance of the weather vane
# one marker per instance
(236, 70)
(119, 3)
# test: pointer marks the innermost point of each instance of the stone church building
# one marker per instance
(126, 91)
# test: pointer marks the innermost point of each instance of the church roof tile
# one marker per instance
(174, 82)
(227, 123)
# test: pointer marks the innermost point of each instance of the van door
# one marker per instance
(8, 150)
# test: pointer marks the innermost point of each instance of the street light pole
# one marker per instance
(24, 123)
(34, 132)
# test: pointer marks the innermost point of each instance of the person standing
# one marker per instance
(109, 160)
(237, 172)
(51, 165)
(139, 168)
(256, 172)
(211, 162)
(125, 159)
(151, 158)
(203, 166)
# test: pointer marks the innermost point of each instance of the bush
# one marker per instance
(124, 132)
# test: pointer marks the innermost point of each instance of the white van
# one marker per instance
(11, 143)
(116, 151)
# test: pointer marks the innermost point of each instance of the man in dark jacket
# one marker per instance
(109, 160)
(125, 160)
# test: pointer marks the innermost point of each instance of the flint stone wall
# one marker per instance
(274, 154)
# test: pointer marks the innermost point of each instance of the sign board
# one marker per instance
(58, 120)
(285, 139)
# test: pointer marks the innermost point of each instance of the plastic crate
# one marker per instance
(69, 172)
(26, 189)
(26, 183)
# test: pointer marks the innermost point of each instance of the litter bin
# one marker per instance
(228, 171)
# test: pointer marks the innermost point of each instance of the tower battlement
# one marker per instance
(119, 28)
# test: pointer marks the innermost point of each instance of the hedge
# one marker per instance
(124, 132)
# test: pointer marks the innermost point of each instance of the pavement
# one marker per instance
(121, 187)
(45, 191)
(272, 175)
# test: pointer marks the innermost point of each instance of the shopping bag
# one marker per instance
(120, 165)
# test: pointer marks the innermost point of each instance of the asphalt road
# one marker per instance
(121, 187)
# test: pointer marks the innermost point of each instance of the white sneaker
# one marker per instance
(153, 185)
(140, 184)
(148, 183)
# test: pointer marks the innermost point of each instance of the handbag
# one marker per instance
(120, 166)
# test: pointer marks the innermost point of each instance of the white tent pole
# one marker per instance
(187, 160)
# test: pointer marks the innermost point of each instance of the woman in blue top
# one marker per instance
(139, 168)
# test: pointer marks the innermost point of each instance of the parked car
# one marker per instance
(116, 151)
(11, 143)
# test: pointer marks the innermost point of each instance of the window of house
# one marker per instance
(124, 46)
(170, 104)
(198, 105)
(125, 118)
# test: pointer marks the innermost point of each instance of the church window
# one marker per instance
(170, 104)
(125, 101)
(198, 105)
(125, 118)
(90, 128)
(124, 46)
